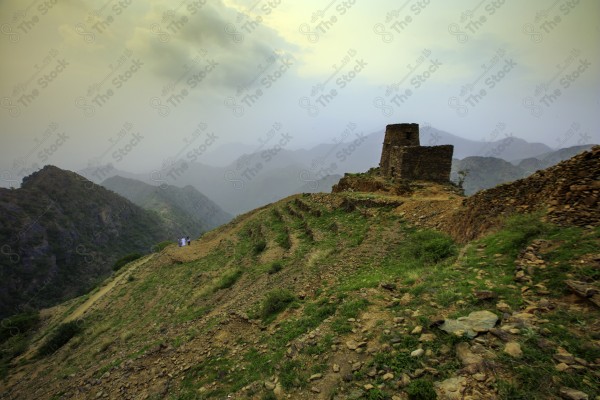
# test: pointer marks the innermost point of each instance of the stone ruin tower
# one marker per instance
(402, 156)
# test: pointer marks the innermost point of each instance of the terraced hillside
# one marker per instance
(332, 296)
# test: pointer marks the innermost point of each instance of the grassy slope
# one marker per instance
(192, 323)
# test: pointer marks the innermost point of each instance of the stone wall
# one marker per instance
(402, 157)
(428, 163)
(397, 135)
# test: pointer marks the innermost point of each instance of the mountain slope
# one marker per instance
(338, 296)
(184, 210)
(60, 234)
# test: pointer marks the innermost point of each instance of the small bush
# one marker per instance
(61, 335)
(157, 248)
(260, 246)
(125, 260)
(421, 389)
(275, 268)
(228, 279)
(430, 246)
(276, 301)
(18, 324)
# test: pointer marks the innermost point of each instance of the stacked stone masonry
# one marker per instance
(402, 157)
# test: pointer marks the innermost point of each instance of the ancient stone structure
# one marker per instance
(402, 156)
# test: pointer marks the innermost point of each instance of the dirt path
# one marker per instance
(105, 289)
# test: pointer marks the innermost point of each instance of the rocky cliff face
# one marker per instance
(60, 233)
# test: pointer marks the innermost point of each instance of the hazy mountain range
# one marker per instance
(184, 210)
(270, 172)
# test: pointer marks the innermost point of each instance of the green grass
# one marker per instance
(228, 279)
(349, 309)
(428, 246)
(59, 337)
(275, 302)
(121, 262)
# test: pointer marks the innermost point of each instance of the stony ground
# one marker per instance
(342, 296)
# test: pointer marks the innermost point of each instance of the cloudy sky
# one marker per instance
(136, 83)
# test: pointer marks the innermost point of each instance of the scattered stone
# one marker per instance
(395, 340)
(368, 386)
(388, 376)
(417, 373)
(503, 307)
(404, 380)
(352, 345)
(562, 367)
(563, 356)
(500, 334)
(314, 377)
(417, 331)
(278, 391)
(572, 394)
(417, 353)
(479, 377)
(269, 385)
(398, 320)
(451, 388)
(356, 366)
(513, 349)
(585, 290)
(427, 337)
(482, 295)
(315, 389)
(466, 356)
(336, 368)
(475, 323)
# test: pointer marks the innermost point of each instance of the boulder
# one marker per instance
(473, 324)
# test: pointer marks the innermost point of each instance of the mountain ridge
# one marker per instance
(350, 295)
(185, 210)
(55, 231)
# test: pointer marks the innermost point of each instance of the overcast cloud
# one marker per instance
(133, 83)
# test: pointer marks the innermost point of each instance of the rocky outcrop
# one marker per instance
(569, 192)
